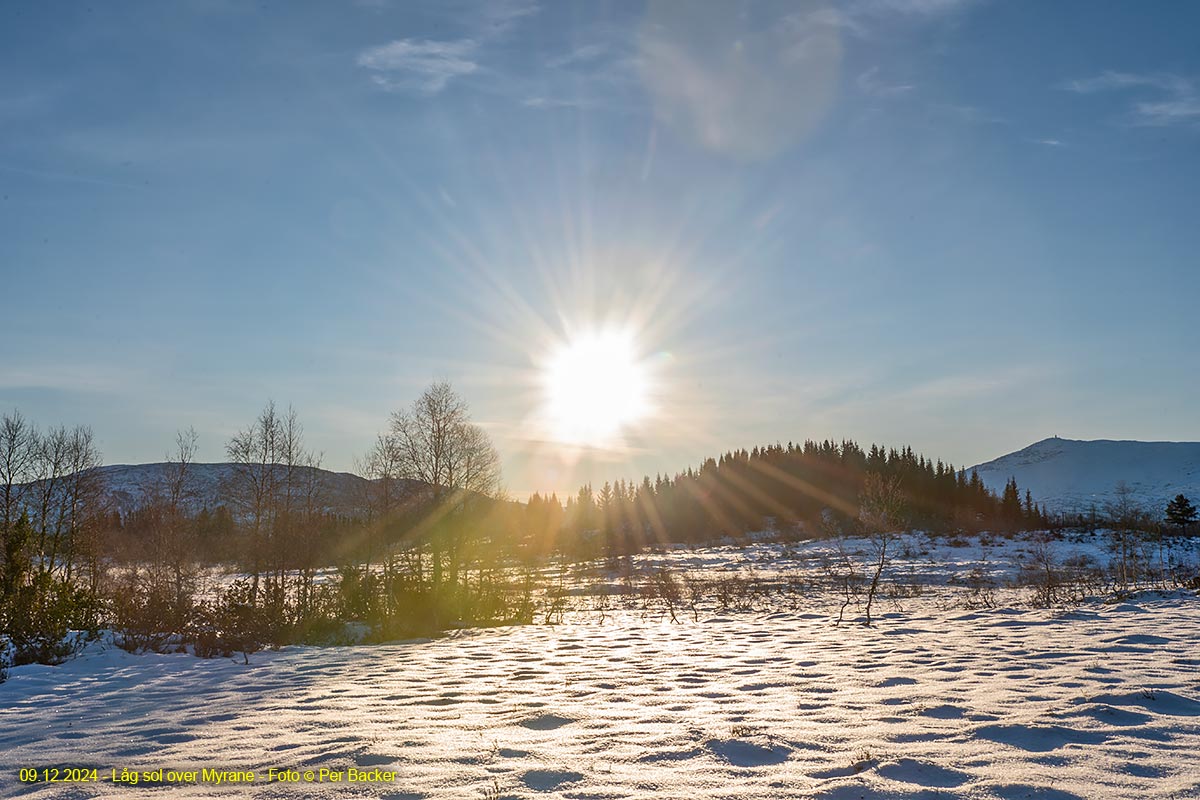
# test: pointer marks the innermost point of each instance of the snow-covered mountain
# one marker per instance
(1071, 475)
(210, 485)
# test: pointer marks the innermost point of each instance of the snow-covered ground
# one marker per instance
(1102, 700)
(934, 564)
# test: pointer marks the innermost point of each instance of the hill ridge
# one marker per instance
(1075, 475)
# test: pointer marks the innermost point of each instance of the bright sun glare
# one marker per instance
(595, 388)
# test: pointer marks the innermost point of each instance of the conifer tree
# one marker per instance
(1010, 503)
(1181, 512)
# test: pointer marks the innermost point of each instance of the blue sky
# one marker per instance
(956, 224)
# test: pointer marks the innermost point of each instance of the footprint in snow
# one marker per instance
(372, 759)
(546, 722)
(909, 770)
(741, 753)
(547, 780)
(897, 681)
(944, 711)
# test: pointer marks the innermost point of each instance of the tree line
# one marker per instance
(813, 488)
(70, 562)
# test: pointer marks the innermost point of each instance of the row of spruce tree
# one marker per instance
(814, 487)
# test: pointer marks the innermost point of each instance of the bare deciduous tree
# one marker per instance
(1127, 518)
(66, 495)
(437, 443)
(18, 448)
(882, 512)
(18, 453)
(381, 466)
(382, 491)
(434, 441)
(1042, 571)
(276, 490)
(174, 544)
(254, 453)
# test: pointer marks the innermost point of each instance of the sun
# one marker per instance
(596, 387)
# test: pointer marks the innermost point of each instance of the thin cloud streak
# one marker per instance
(425, 65)
(863, 17)
(69, 177)
(70, 377)
(1111, 80)
(580, 55)
(1181, 107)
(870, 83)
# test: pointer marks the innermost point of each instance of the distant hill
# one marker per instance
(1072, 475)
(128, 485)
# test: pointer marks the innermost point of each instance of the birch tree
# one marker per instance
(436, 443)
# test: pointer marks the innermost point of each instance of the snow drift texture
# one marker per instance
(933, 704)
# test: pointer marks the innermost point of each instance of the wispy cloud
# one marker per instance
(870, 83)
(1050, 142)
(1178, 102)
(1179, 111)
(971, 385)
(916, 7)
(583, 54)
(427, 66)
(966, 114)
(599, 69)
(862, 17)
(72, 177)
(69, 377)
(495, 19)
(419, 65)
(541, 101)
(1111, 80)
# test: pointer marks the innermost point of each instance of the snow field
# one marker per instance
(1102, 701)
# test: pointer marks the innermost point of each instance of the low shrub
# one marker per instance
(49, 620)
